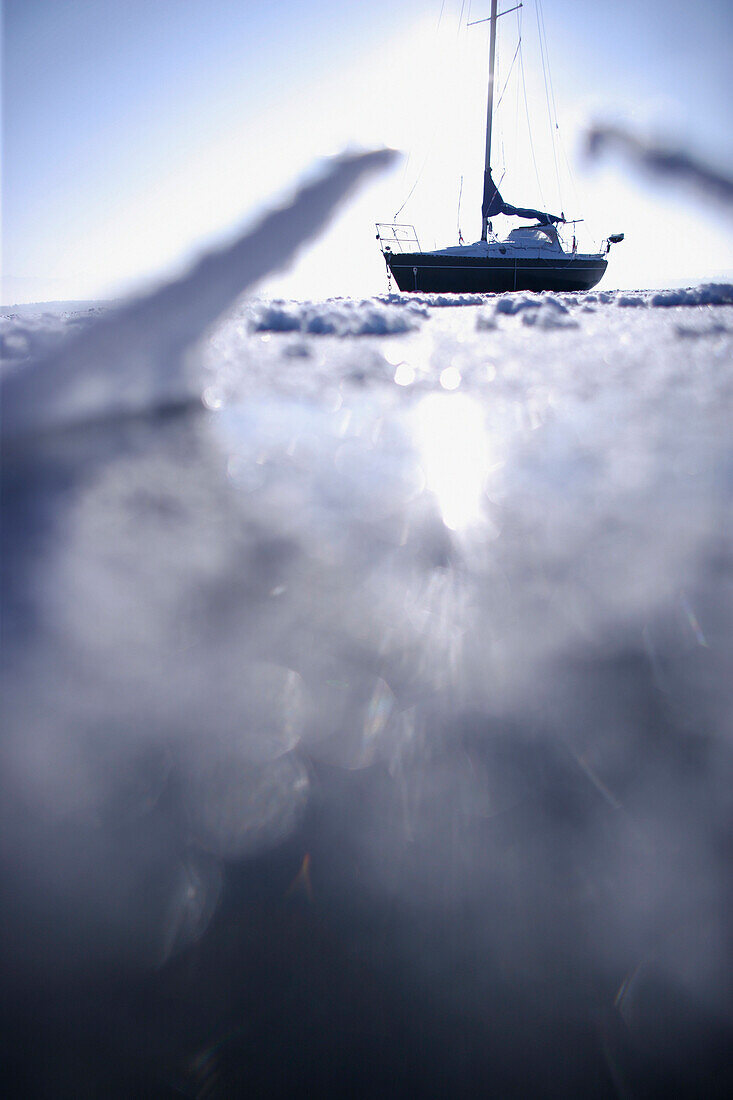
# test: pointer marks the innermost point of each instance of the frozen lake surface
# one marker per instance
(367, 700)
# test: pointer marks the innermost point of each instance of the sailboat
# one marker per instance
(532, 257)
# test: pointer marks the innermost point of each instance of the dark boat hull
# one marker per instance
(428, 273)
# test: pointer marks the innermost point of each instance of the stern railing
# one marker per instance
(397, 238)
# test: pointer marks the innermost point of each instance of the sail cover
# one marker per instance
(494, 204)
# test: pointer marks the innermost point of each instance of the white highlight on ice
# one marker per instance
(404, 374)
(450, 378)
(454, 452)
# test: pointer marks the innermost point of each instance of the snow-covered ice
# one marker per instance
(367, 720)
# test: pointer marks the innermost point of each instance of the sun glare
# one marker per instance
(452, 443)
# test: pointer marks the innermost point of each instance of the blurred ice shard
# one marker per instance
(102, 485)
(132, 359)
(676, 164)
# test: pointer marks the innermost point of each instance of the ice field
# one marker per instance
(366, 681)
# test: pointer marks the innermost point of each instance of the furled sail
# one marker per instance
(494, 204)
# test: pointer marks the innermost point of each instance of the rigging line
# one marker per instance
(516, 103)
(508, 74)
(417, 180)
(571, 174)
(460, 19)
(549, 71)
(430, 144)
(554, 108)
(529, 127)
(516, 121)
(547, 98)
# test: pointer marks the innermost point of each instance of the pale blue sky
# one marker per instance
(134, 133)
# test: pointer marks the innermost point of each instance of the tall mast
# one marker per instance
(490, 103)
